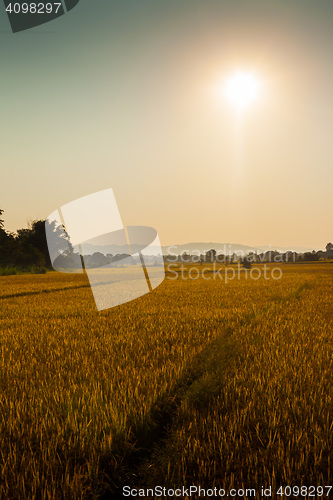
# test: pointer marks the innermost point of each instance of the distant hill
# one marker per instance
(227, 248)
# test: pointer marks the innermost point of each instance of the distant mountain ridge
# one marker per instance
(193, 247)
(228, 248)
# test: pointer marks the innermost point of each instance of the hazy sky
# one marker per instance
(127, 94)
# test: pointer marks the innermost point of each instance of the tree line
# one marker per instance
(247, 259)
(26, 250)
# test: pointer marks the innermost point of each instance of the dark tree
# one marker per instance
(247, 262)
(329, 250)
(7, 245)
(3, 234)
(311, 256)
(34, 238)
(211, 255)
(1, 220)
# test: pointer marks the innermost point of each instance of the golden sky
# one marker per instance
(130, 95)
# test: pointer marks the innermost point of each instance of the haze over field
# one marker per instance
(227, 248)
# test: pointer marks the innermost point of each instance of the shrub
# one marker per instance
(8, 271)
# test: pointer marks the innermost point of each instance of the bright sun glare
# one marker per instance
(242, 89)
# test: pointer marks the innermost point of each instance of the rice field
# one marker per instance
(200, 382)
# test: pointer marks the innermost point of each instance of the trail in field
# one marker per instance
(52, 290)
(38, 292)
(201, 383)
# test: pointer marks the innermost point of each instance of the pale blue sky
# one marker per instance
(123, 95)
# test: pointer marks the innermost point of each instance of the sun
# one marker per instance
(242, 89)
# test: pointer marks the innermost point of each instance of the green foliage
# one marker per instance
(25, 250)
(8, 271)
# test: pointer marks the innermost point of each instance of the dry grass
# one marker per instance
(197, 382)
